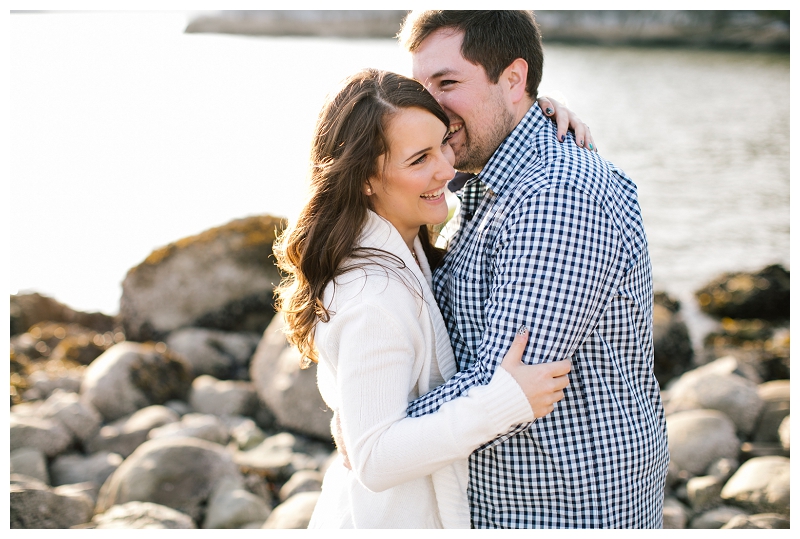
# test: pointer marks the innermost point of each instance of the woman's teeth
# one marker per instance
(434, 195)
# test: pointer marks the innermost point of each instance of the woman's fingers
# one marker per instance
(566, 120)
(517, 349)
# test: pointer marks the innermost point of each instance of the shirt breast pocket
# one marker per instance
(469, 291)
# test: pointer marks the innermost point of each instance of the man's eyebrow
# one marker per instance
(442, 73)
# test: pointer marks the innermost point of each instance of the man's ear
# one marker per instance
(516, 77)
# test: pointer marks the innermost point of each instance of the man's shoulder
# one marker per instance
(566, 165)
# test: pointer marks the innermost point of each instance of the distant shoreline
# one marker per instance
(727, 29)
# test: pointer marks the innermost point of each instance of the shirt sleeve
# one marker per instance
(554, 266)
(376, 370)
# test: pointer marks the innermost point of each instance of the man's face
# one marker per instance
(479, 111)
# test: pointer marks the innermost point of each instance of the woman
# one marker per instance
(357, 299)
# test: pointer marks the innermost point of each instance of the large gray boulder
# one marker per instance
(222, 278)
(34, 505)
(130, 376)
(288, 391)
(697, 438)
(715, 387)
(177, 472)
(142, 516)
(760, 485)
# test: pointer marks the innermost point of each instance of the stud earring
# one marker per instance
(369, 190)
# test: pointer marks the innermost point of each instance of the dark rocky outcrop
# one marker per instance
(672, 346)
(738, 29)
(763, 295)
(29, 309)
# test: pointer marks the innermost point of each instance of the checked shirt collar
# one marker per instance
(496, 175)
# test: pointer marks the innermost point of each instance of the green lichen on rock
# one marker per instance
(255, 231)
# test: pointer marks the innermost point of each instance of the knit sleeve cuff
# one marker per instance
(503, 400)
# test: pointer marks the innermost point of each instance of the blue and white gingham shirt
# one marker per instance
(550, 235)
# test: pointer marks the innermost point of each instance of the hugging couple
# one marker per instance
(497, 373)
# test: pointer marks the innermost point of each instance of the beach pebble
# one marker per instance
(141, 516)
(177, 472)
(288, 391)
(71, 468)
(230, 506)
(294, 513)
(49, 436)
(124, 435)
(79, 417)
(30, 462)
(34, 505)
(129, 376)
(776, 397)
(220, 354)
(716, 518)
(760, 485)
(202, 426)
(712, 387)
(697, 438)
(222, 397)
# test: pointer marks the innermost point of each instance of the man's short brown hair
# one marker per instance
(492, 39)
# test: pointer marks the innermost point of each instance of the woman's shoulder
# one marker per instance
(372, 284)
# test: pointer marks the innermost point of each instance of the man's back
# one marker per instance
(552, 238)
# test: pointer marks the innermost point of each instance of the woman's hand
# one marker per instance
(566, 119)
(543, 384)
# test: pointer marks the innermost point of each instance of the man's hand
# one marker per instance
(566, 119)
(543, 384)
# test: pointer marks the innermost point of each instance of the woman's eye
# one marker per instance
(419, 160)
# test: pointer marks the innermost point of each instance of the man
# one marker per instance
(550, 236)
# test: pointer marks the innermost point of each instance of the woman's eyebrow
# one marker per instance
(415, 154)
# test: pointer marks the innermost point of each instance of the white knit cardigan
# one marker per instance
(385, 345)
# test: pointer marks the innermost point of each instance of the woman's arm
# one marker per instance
(375, 372)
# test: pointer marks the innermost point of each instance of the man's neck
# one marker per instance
(522, 109)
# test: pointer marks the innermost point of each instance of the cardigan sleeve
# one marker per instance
(375, 372)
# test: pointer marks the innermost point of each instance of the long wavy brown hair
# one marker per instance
(349, 137)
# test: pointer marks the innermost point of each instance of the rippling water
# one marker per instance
(127, 134)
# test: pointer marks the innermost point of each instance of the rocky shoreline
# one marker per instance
(728, 29)
(189, 409)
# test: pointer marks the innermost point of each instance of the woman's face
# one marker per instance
(414, 173)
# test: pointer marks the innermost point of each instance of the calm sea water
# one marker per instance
(127, 134)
